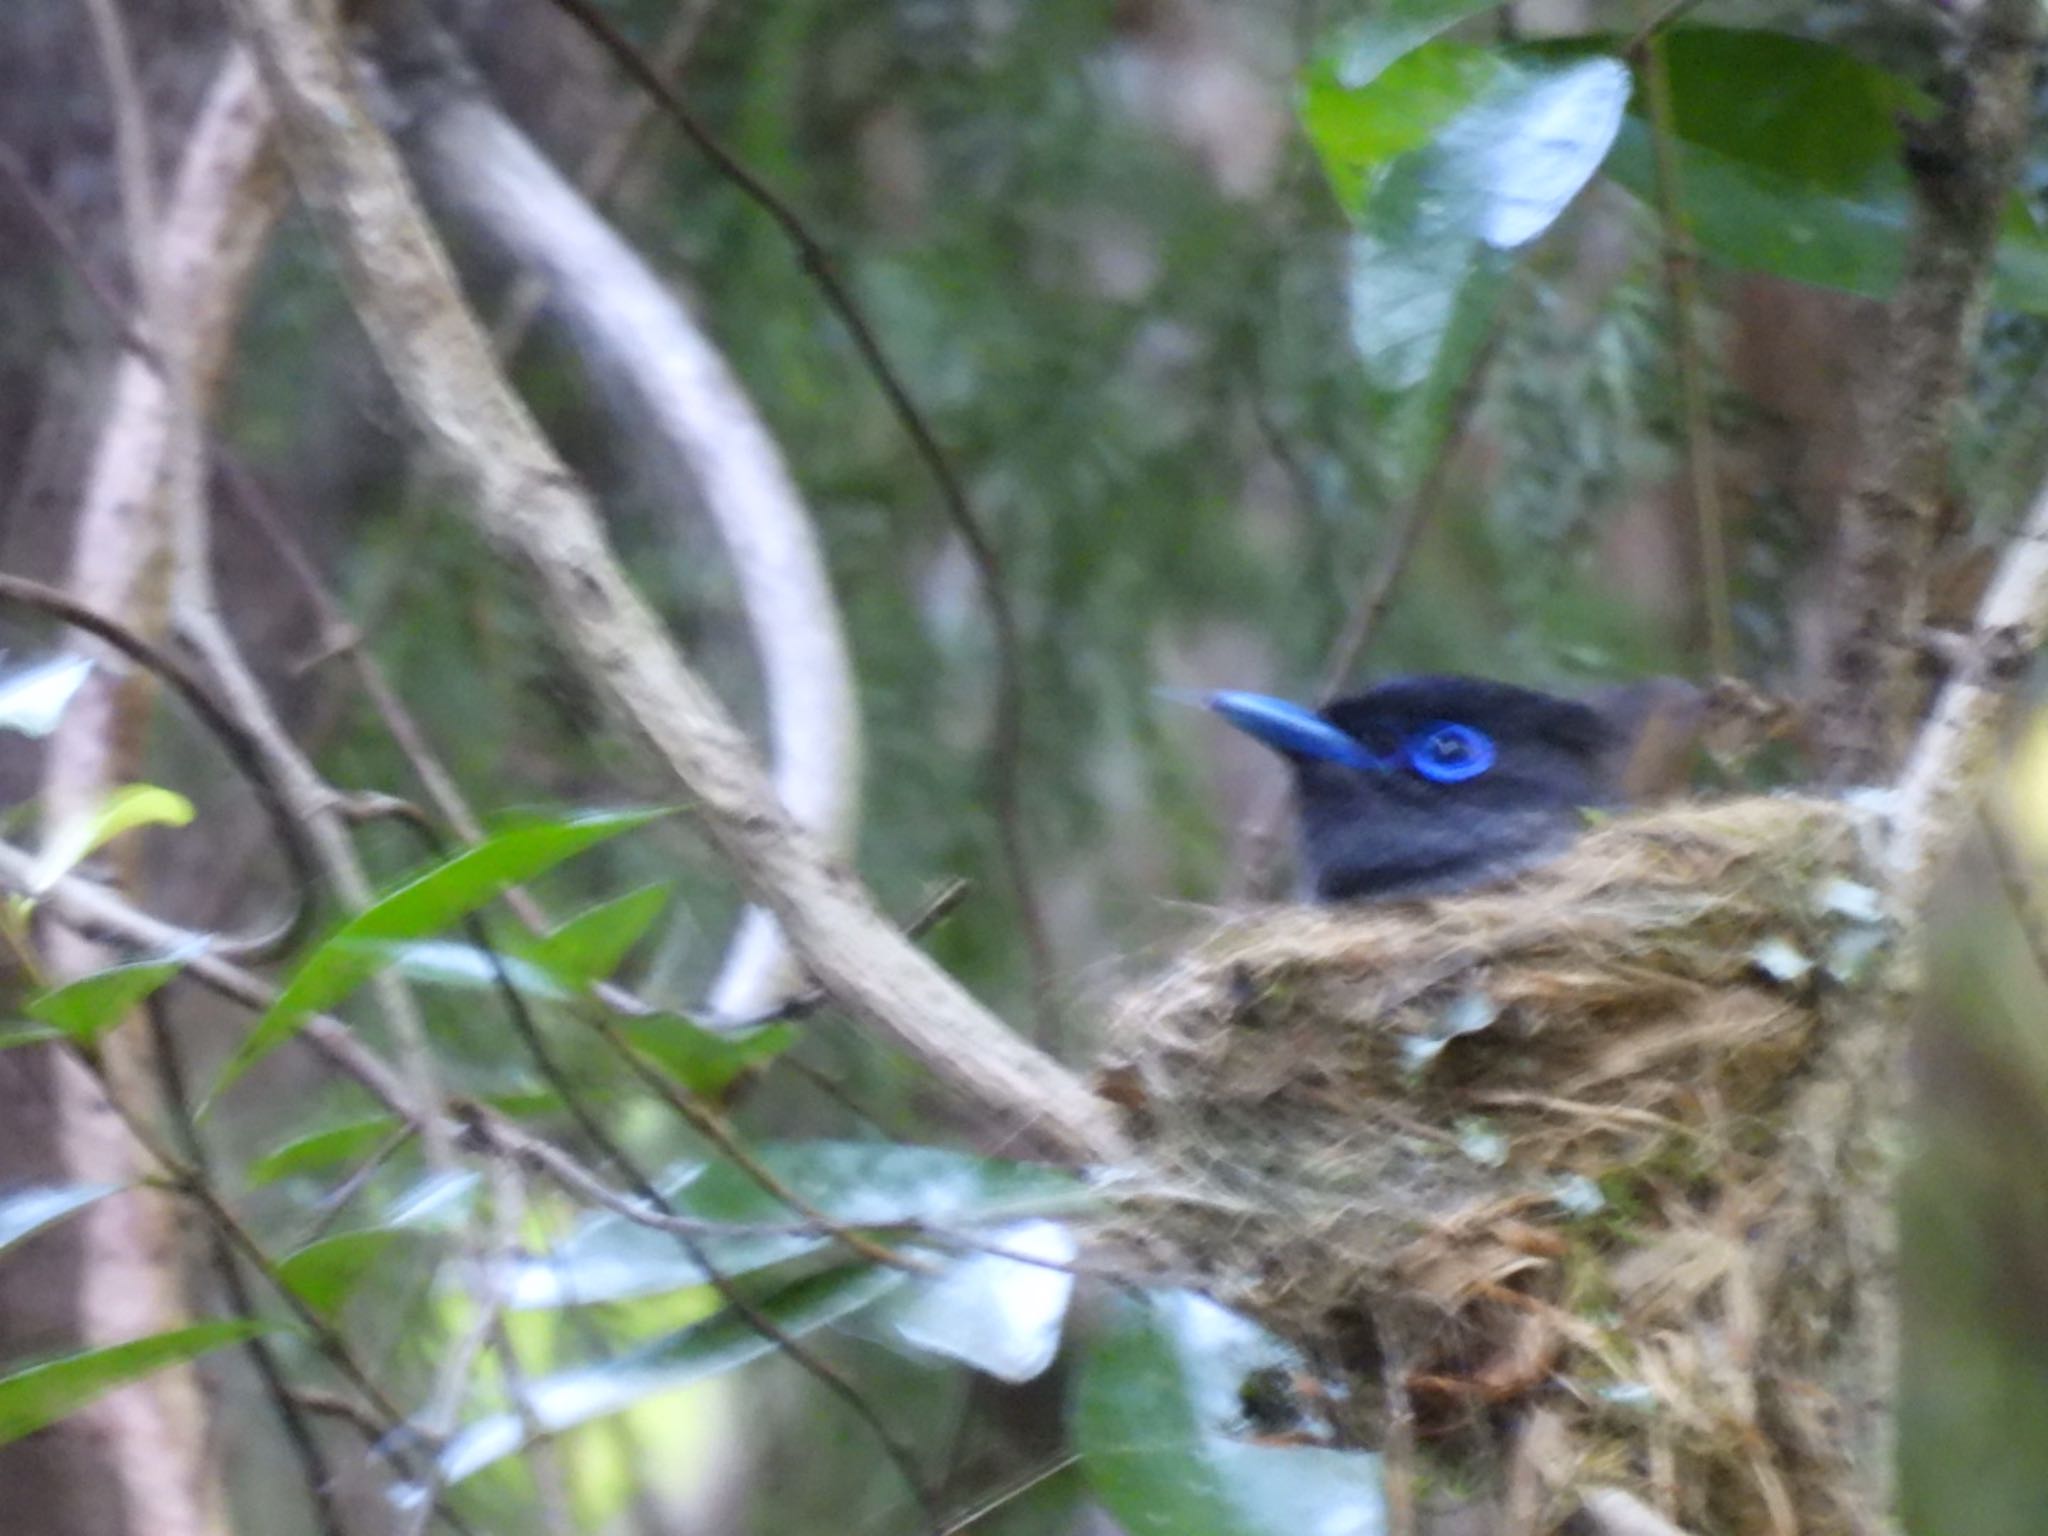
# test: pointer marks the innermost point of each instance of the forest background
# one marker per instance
(1219, 411)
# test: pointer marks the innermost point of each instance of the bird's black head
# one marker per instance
(1433, 783)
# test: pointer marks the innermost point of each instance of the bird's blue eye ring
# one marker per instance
(1447, 753)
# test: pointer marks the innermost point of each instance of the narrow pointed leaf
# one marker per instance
(417, 910)
(1158, 1421)
(592, 945)
(702, 1060)
(326, 1272)
(87, 1008)
(348, 1140)
(24, 1212)
(123, 810)
(40, 1395)
(720, 1343)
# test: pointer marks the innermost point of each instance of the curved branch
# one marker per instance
(474, 163)
(538, 518)
(1951, 759)
(240, 746)
(1006, 739)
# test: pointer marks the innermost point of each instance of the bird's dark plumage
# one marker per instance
(1429, 784)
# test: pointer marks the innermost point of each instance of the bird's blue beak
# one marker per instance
(1288, 728)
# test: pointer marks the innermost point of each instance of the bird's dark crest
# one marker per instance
(1452, 781)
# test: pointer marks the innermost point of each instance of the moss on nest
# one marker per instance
(1538, 1153)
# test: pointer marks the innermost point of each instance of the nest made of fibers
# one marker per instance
(1407, 1129)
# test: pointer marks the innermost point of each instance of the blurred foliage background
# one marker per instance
(1126, 287)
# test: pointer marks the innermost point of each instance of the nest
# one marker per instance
(1547, 1180)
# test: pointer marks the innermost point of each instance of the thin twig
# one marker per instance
(940, 906)
(557, 1078)
(605, 166)
(512, 484)
(1681, 277)
(67, 244)
(305, 1447)
(189, 1179)
(543, 1461)
(235, 740)
(327, 1210)
(1369, 609)
(649, 1193)
(1005, 758)
(990, 1503)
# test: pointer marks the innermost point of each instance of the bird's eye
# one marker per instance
(1450, 754)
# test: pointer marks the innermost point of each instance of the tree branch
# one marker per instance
(473, 163)
(1951, 760)
(535, 514)
(1963, 167)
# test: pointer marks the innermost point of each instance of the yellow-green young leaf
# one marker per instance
(423, 906)
(123, 810)
(40, 1395)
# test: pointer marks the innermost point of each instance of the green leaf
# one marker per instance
(1795, 108)
(26, 1211)
(590, 946)
(1790, 160)
(322, 1149)
(87, 1008)
(417, 909)
(609, 1258)
(1158, 1422)
(1364, 51)
(123, 810)
(326, 1272)
(702, 1060)
(1447, 160)
(1461, 143)
(349, 1140)
(33, 697)
(720, 1343)
(39, 1395)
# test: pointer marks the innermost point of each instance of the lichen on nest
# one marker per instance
(1530, 1150)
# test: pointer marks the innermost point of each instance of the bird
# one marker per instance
(1433, 784)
